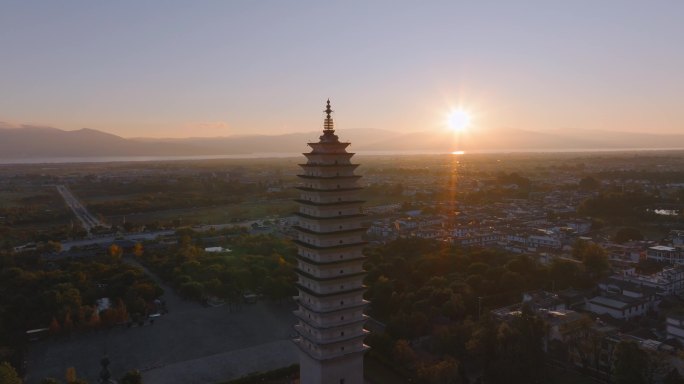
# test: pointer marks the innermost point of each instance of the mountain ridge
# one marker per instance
(30, 141)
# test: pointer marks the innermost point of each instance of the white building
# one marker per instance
(623, 299)
(677, 238)
(668, 281)
(619, 306)
(663, 253)
(545, 239)
(674, 327)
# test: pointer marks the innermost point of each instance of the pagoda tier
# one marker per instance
(332, 203)
(330, 239)
(341, 166)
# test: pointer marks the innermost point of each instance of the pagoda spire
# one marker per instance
(328, 123)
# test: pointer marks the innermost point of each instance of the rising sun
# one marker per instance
(458, 120)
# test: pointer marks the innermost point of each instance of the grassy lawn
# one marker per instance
(213, 215)
(10, 199)
(94, 199)
(23, 196)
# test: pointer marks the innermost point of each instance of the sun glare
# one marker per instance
(458, 120)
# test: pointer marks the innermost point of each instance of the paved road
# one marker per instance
(190, 345)
(86, 218)
(149, 235)
(108, 239)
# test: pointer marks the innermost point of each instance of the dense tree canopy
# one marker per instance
(435, 292)
(8, 375)
(627, 234)
(260, 264)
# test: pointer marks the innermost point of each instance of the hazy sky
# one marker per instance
(209, 68)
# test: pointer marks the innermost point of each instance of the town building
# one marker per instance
(677, 238)
(623, 299)
(663, 253)
(330, 265)
(668, 281)
(674, 326)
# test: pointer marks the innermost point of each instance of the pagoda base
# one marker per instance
(346, 369)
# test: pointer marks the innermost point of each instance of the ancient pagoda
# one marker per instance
(330, 265)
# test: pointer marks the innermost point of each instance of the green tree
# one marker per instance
(578, 248)
(380, 294)
(595, 260)
(630, 365)
(8, 375)
(52, 246)
(564, 273)
(589, 183)
(673, 377)
(115, 252)
(131, 377)
(70, 375)
(624, 235)
(192, 290)
(444, 371)
(403, 353)
(55, 328)
(519, 356)
(138, 250)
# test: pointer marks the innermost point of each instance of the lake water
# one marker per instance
(112, 159)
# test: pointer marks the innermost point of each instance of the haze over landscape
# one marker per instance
(226, 68)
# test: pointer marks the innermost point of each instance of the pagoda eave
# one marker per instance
(329, 218)
(350, 276)
(338, 340)
(330, 263)
(329, 177)
(331, 233)
(331, 204)
(331, 294)
(332, 326)
(329, 248)
(344, 154)
(308, 189)
(313, 165)
(342, 144)
(337, 356)
(362, 305)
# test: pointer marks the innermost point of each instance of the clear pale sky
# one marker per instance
(217, 68)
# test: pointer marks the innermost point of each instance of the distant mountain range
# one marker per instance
(34, 142)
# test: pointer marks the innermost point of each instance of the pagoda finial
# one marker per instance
(328, 123)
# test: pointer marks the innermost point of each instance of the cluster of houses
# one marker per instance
(646, 308)
(515, 232)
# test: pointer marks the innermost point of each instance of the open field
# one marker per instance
(33, 213)
(211, 215)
